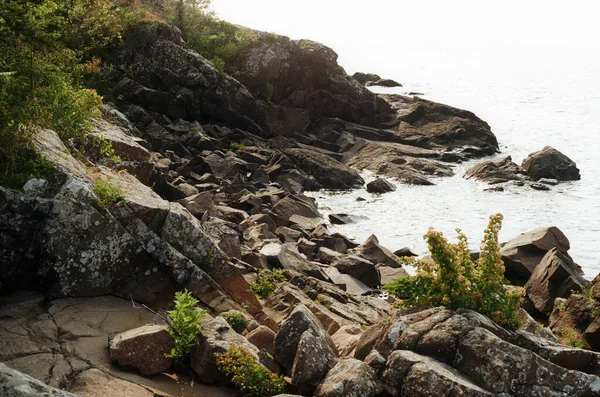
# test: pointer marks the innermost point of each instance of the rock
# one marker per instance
(288, 235)
(390, 274)
(327, 171)
(496, 171)
(547, 181)
(327, 255)
(380, 185)
(263, 338)
(96, 383)
(346, 338)
(552, 164)
(144, 349)
(125, 146)
(384, 83)
(344, 219)
(257, 219)
(36, 186)
(198, 204)
(312, 362)
(375, 253)
(348, 283)
(288, 338)
(504, 368)
(358, 268)
(15, 383)
(410, 374)
(523, 253)
(364, 78)
(349, 377)
(294, 205)
(402, 252)
(556, 276)
(179, 83)
(289, 258)
(308, 224)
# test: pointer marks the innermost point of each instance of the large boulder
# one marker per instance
(550, 163)
(349, 377)
(294, 205)
(557, 276)
(496, 171)
(327, 171)
(144, 348)
(288, 338)
(523, 253)
(359, 268)
(372, 251)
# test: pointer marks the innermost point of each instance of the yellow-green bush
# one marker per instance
(247, 374)
(184, 324)
(107, 193)
(453, 280)
(266, 282)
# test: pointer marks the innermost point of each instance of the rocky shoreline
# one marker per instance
(211, 185)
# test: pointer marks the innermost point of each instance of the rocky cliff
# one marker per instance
(211, 179)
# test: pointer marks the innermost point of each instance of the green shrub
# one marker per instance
(266, 282)
(323, 300)
(219, 64)
(208, 261)
(105, 148)
(107, 193)
(236, 146)
(236, 320)
(247, 374)
(184, 324)
(453, 280)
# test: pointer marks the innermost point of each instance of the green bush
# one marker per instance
(236, 146)
(184, 324)
(236, 320)
(453, 280)
(105, 149)
(323, 300)
(247, 374)
(107, 193)
(266, 282)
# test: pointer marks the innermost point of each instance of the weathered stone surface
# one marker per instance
(380, 185)
(555, 277)
(390, 274)
(263, 338)
(552, 164)
(504, 368)
(523, 253)
(359, 268)
(124, 145)
(346, 338)
(327, 171)
(144, 349)
(375, 253)
(496, 171)
(410, 374)
(290, 334)
(95, 383)
(15, 383)
(294, 205)
(198, 204)
(349, 377)
(313, 360)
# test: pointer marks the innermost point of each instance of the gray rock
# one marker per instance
(15, 383)
(349, 377)
(380, 185)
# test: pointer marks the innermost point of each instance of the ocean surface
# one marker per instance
(530, 98)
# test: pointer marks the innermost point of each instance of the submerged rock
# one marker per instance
(496, 171)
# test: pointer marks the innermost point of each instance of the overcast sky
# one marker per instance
(385, 24)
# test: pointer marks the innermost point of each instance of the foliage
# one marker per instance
(214, 39)
(27, 167)
(236, 320)
(570, 337)
(235, 146)
(184, 324)
(323, 300)
(270, 89)
(247, 374)
(453, 280)
(266, 282)
(107, 193)
(208, 260)
(105, 148)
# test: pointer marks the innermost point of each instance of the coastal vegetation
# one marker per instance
(452, 279)
(184, 324)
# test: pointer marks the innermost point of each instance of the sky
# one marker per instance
(394, 25)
